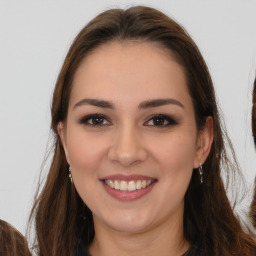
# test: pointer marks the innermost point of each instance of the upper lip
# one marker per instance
(127, 177)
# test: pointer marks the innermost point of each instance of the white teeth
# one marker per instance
(128, 185)
(111, 184)
(131, 186)
(123, 185)
(116, 185)
(144, 183)
(138, 184)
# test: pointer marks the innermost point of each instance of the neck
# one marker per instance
(166, 239)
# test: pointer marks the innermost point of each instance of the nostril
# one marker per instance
(127, 147)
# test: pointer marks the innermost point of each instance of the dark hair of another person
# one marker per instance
(254, 113)
(61, 217)
(12, 242)
(253, 204)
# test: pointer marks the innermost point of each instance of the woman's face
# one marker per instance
(130, 136)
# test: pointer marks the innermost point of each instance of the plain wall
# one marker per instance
(34, 38)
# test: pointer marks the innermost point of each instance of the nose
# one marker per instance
(127, 148)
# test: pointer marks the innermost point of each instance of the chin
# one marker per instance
(129, 229)
(129, 223)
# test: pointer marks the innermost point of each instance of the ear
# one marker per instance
(204, 142)
(62, 134)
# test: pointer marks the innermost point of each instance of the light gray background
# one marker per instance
(34, 38)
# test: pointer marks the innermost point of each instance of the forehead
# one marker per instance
(129, 69)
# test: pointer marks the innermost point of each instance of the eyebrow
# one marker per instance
(94, 102)
(159, 102)
(143, 105)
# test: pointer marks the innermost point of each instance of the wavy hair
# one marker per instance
(12, 242)
(61, 217)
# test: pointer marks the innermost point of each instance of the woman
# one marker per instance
(12, 242)
(138, 134)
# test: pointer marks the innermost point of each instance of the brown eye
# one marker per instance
(161, 121)
(95, 120)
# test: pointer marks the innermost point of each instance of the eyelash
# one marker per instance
(87, 119)
(165, 120)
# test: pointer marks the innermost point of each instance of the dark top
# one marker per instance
(193, 251)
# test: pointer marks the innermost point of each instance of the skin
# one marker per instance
(128, 141)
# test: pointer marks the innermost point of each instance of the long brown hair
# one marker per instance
(12, 242)
(62, 218)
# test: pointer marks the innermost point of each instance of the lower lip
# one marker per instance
(128, 195)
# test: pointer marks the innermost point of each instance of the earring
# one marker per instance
(70, 175)
(201, 172)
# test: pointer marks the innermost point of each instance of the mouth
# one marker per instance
(131, 185)
(128, 188)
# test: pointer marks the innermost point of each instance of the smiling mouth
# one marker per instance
(128, 186)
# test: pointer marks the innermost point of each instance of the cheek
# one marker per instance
(176, 156)
(176, 162)
(85, 153)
